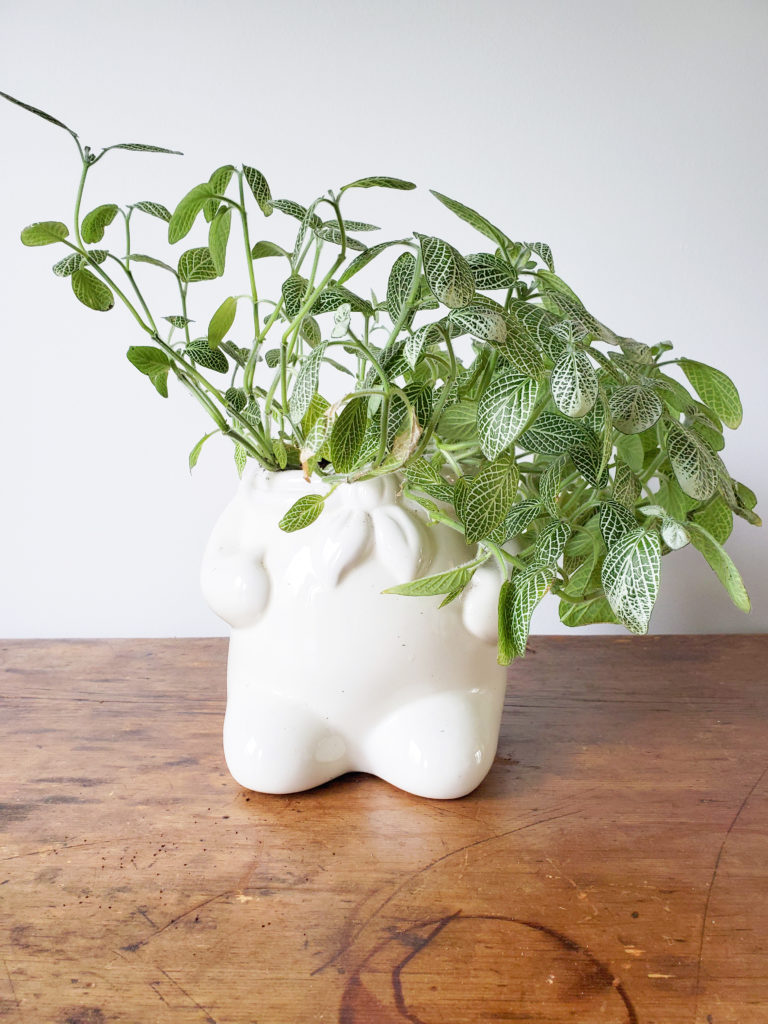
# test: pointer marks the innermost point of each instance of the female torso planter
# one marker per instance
(546, 452)
(326, 673)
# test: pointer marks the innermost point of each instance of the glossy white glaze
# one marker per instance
(326, 674)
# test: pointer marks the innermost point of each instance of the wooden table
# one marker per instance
(613, 867)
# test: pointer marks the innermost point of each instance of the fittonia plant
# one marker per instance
(566, 452)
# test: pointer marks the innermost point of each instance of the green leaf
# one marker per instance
(92, 292)
(141, 147)
(222, 321)
(40, 113)
(615, 522)
(489, 498)
(588, 460)
(630, 449)
(422, 475)
(586, 613)
(44, 232)
(630, 576)
(262, 249)
(448, 274)
(365, 258)
(153, 209)
(536, 321)
(459, 422)
(715, 390)
(490, 272)
(280, 452)
(421, 339)
(439, 583)
(306, 384)
(693, 464)
(377, 181)
(219, 181)
(626, 486)
(475, 219)
(716, 518)
(152, 362)
(199, 351)
(141, 258)
(178, 321)
(194, 455)
(94, 223)
(218, 236)
(574, 383)
(294, 288)
(504, 410)
(332, 233)
(721, 563)
(550, 544)
(297, 211)
(552, 434)
(67, 266)
(336, 295)
(302, 513)
(518, 519)
(197, 265)
(550, 484)
(235, 398)
(480, 322)
(260, 189)
(187, 212)
(544, 253)
(550, 282)
(399, 284)
(525, 592)
(347, 435)
(634, 408)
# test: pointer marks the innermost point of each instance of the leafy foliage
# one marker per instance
(514, 418)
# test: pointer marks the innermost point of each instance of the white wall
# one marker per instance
(630, 136)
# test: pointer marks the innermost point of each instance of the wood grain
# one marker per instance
(612, 868)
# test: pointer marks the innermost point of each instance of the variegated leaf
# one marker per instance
(550, 544)
(153, 209)
(504, 410)
(550, 484)
(199, 351)
(260, 189)
(448, 274)
(615, 521)
(574, 383)
(552, 434)
(720, 561)
(630, 576)
(399, 284)
(94, 223)
(524, 593)
(475, 219)
(489, 498)
(306, 383)
(490, 272)
(715, 389)
(479, 321)
(197, 265)
(634, 408)
(693, 464)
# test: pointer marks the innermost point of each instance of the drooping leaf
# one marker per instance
(421, 339)
(439, 583)
(544, 253)
(422, 476)
(722, 564)
(297, 211)
(715, 389)
(336, 295)
(574, 383)
(525, 592)
(44, 232)
(67, 266)
(152, 362)
(218, 236)
(626, 486)
(587, 613)
(550, 484)
(40, 113)
(137, 257)
(716, 518)
(448, 274)
(629, 448)
(260, 189)
(332, 233)
(187, 212)
(518, 519)
(630, 575)
(92, 292)
(266, 248)
(552, 434)
(194, 455)
(302, 513)
(197, 265)
(504, 410)
(475, 219)
(550, 544)
(692, 462)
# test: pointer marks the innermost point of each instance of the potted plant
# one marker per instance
(419, 465)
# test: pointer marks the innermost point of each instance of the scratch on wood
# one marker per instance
(208, 1017)
(719, 857)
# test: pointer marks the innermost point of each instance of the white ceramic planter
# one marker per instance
(328, 675)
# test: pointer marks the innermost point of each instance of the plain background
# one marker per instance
(630, 136)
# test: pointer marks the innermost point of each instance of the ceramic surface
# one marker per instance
(326, 674)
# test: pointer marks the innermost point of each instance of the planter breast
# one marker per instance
(326, 674)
